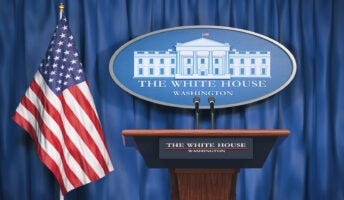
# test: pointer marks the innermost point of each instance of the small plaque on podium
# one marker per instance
(206, 148)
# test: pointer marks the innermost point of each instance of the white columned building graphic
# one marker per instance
(202, 58)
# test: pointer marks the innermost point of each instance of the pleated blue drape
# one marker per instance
(307, 165)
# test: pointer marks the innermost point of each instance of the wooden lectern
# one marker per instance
(203, 164)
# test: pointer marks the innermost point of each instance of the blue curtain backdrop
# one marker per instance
(307, 165)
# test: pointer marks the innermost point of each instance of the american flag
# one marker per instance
(58, 112)
(205, 34)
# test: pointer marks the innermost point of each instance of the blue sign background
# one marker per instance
(283, 68)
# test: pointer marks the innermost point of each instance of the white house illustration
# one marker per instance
(201, 59)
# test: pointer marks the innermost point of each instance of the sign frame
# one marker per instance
(207, 82)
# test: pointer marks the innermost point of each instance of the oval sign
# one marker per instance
(172, 66)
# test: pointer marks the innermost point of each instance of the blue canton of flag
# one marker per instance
(61, 67)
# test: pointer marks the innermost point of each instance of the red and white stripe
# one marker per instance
(66, 131)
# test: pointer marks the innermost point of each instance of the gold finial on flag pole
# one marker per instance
(61, 7)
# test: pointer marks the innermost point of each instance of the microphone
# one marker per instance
(211, 101)
(196, 101)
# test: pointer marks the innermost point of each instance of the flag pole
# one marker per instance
(61, 8)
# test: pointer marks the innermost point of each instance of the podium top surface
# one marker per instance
(205, 132)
